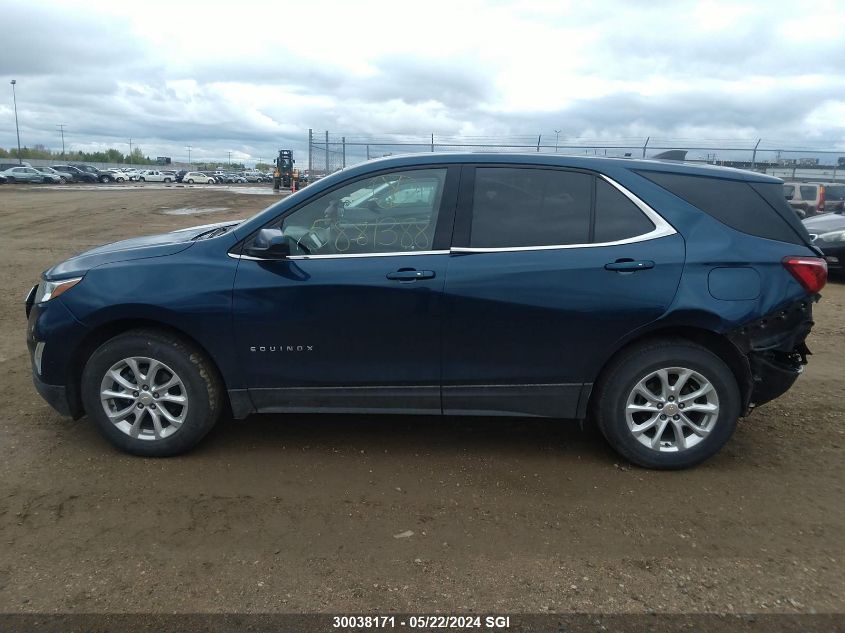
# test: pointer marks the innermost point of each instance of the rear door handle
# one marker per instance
(410, 275)
(629, 265)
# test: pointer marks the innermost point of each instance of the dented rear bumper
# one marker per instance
(775, 349)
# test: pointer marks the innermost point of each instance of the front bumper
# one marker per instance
(54, 395)
(52, 334)
(834, 255)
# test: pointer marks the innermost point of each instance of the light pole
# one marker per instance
(61, 127)
(189, 155)
(557, 136)
(17, 129)
(130, 151)
(230, 159)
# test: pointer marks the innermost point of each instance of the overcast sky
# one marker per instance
(252, 77)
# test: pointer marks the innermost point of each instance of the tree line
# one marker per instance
(110, 155)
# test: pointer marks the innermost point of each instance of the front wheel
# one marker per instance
(141, 179)
(151, 393)
(190, 181)
(167, 180)
(667, 404)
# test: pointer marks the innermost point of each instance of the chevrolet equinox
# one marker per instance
(663, 301)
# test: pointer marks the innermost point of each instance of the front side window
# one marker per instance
(393, 212)
(517, 207)
(835, 192)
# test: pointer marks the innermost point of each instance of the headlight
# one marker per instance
(833, 236)
(51, 289)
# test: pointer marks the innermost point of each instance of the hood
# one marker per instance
(134, 248)
(825, 223)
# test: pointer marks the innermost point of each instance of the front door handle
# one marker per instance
(410, 274)
(629, 265)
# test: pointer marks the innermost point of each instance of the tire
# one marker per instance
(197, 378)
(616, 393)
(167, 180)
(190, 181)
(141, 179)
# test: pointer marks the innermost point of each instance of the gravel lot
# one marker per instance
(347, 514)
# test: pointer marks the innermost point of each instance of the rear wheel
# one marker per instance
(190, 181)
(667, 404)
(167, 180)
(151, 393)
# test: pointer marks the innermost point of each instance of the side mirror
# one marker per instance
(269, 244)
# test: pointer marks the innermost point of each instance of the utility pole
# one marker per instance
(557, 137)
(189, 154)
(17, 129)
(130, 151)
(230, 159)
(61, 127)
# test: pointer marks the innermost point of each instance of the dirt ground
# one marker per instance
(301, 513)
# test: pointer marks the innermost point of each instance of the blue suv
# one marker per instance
(661, 300)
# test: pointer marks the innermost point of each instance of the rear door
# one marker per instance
(549, 269)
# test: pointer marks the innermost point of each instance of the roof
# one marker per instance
(598, 163)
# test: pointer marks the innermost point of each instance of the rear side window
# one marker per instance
(733, 202)
(808, 193)
(515, 207)
(617, 218)
(789, 192)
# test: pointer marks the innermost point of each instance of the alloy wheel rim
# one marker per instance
(672, 409)
(144, 398)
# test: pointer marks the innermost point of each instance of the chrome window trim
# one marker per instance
(661, 229)
(338, 255)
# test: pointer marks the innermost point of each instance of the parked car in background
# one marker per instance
(662, 301)
(100, 174)
(181, 174)
(77, 174)
(828, 233)
(192, 177)
(119, 175)
(5, 166)
(235, 178)
(813, 198)
(62, 176)
(3, 179)
(153, 175)
(29, 174)
(130, 172)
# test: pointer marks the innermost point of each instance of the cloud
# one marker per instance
(169, 75)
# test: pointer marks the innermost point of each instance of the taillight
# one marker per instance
(820, 208)
(811, 272)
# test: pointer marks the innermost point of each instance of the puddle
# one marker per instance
(193, 210)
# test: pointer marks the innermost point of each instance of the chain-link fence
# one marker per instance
(329, 152)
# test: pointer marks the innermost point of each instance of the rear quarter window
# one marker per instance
(739, 204)
(617, 218)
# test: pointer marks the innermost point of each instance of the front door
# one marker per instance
(550, 269)
(351, 320)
